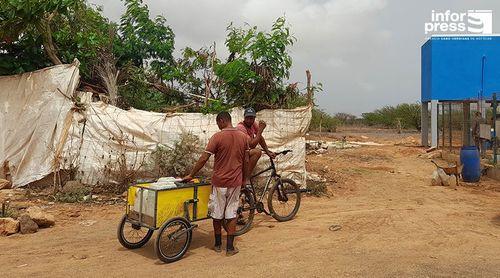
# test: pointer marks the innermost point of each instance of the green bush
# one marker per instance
(327, 122)
(406, 114)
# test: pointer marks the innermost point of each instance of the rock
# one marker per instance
(8, 226)
(315, 177)
(80, 257)
(41, 218)
(87, 223)
(27, 225)
(321, 151)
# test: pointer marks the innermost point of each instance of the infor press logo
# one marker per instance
(471, 22)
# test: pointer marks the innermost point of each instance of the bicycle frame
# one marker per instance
(274, 175)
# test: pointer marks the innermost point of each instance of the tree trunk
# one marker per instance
(48, 44)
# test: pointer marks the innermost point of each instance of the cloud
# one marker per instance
(365, 52)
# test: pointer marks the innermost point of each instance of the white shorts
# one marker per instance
(224, 202)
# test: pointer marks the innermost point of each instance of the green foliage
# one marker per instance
(8, 211)
(408, 115)
(214, 107)
(346, 118)
(23, 31)
(144, 40)
(137, 55)
(74, 196)
(189, 69)
(327, 122)
(29, 29)
(83, 34)
(258, 65)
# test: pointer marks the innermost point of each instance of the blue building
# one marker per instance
(457, 68)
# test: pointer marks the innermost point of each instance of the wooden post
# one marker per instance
(309, 88)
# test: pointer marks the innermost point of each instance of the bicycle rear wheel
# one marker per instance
(173, 239)
(284, 200)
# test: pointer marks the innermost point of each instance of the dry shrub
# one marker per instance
(178, 160)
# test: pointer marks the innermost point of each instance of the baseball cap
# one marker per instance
(250, 112)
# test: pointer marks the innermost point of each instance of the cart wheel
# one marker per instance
(132, 236)
(173, 239)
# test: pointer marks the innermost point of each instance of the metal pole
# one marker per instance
(434, 124)
(449, 124)
(442, 121)
(466, 110)
(494, 139)
(424, 122)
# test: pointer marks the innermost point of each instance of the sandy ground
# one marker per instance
(394, 224)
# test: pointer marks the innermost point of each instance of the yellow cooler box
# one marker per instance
(151, 204)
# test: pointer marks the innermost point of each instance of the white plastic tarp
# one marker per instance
(110, 132)
(33, 107)
(41, 132)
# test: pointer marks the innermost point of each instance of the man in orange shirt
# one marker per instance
(254, 131)
(230, 147)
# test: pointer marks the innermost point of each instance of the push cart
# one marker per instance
(172, 210)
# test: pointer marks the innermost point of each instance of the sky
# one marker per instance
(366, 53)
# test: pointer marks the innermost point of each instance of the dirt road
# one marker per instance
(393, 224)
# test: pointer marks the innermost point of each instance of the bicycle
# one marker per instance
(284, 193)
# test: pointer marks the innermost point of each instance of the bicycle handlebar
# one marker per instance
(284, 152)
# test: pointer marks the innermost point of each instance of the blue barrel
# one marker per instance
(469, 158)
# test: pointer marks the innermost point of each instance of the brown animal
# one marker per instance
(455, 169)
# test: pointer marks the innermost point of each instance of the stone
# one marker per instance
(8, 226)
(321, 151)
(27, 225)
(315, 177)
(41, 218)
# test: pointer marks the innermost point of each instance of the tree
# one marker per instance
(36, 34)
(133, 61)
(24, 24)
(345, 118)
(258, 66)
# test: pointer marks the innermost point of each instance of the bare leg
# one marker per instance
(231, 229)
(255, 154)
(217, 233)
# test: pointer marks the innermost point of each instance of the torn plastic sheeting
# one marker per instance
(32, 111)
(110, 132)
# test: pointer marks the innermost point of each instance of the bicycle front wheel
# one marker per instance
(173, 239)
(284, 200)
